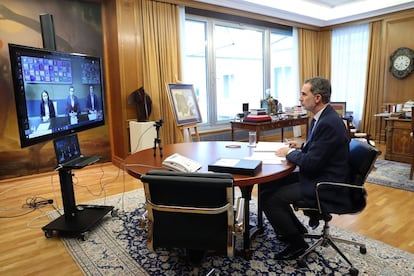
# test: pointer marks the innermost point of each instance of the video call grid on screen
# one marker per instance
(36, 70)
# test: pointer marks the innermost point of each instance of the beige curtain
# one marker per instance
(373, 83)
(161, 61)
(314, 54)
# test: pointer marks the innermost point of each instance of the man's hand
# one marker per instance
(282, 152)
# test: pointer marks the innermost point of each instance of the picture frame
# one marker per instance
(184, 104)
(340, 108)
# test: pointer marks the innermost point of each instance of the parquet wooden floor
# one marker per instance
(24, 250)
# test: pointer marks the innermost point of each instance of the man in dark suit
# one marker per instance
(72, 103)
(92, 101)
(324, 157)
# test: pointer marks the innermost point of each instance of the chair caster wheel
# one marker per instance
(353, 271)
(48, 234)
(114, 213)
(363, 250)
(84, 236)
(301, 262)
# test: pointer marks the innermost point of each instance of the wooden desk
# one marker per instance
(265, 126)
(207, 153)
(382, 116)
(398, 144)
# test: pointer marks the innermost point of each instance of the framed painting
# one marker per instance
(184, 104)
(340, 108)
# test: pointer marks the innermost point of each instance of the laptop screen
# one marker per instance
(66, 148)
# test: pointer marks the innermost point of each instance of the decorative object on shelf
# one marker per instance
(143, 104)
(401, 62)
(407, 108)
(270, 104)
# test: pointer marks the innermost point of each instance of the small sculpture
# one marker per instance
(270, 104)
(143, 104)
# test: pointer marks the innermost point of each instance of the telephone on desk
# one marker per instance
(177, 162)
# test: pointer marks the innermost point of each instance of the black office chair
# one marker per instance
(193, 211)
(362, 160)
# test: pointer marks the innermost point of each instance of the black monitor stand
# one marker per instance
(77, 219)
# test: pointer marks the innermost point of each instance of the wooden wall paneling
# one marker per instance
(124, 69)
(112, 76)
(398, 32)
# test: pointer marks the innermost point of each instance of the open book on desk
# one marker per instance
(266, 152)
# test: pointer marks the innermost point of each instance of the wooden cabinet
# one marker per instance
(398, 140)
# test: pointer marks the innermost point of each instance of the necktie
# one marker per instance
(311, 128)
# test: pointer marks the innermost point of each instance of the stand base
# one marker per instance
(85, 217)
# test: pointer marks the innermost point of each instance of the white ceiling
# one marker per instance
(317, 12)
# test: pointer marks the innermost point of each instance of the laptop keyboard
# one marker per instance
(82, 161)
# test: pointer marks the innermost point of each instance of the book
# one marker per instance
(257, 118)
(236, 166)
(259, 111)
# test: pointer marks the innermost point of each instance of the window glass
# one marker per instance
(238, 70)
(195, 62)
(283, 83)
(231, 63)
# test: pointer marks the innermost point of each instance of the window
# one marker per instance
(231, 63)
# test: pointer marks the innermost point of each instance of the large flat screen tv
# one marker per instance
(56, 93)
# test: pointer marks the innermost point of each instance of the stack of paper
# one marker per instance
(266, 152)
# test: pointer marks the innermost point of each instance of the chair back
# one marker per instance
(189, 210)
(348, 198)
(362, 159)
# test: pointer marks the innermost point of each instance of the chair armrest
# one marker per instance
(239, 216)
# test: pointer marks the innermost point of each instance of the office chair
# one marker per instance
(362, 159)
(193, 211)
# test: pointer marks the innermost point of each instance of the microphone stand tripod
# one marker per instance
(157, 140)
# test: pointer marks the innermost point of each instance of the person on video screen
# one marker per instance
(92, 101)
(72, 103)
(47, 109)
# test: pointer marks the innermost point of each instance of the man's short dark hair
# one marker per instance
(320, 86)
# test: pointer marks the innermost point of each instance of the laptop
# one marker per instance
(68, 153)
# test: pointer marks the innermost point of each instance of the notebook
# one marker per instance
(68, 153)
(236, 166)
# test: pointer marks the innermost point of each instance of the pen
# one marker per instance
(287, 141)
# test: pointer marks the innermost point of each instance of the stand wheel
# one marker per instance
(353, 271)
(84, 236)
(301, 262)
(363, 250)
(114, 213)
(48, 234)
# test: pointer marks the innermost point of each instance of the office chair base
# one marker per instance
(326, 239)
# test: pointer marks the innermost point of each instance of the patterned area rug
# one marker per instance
(117, 246)
(391, 174)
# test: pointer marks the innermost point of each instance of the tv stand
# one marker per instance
(77, 219)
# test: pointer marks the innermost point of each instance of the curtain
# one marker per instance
(161, 61)
(314, 54)
(349, 67)
(324, 66)
(373, 87)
